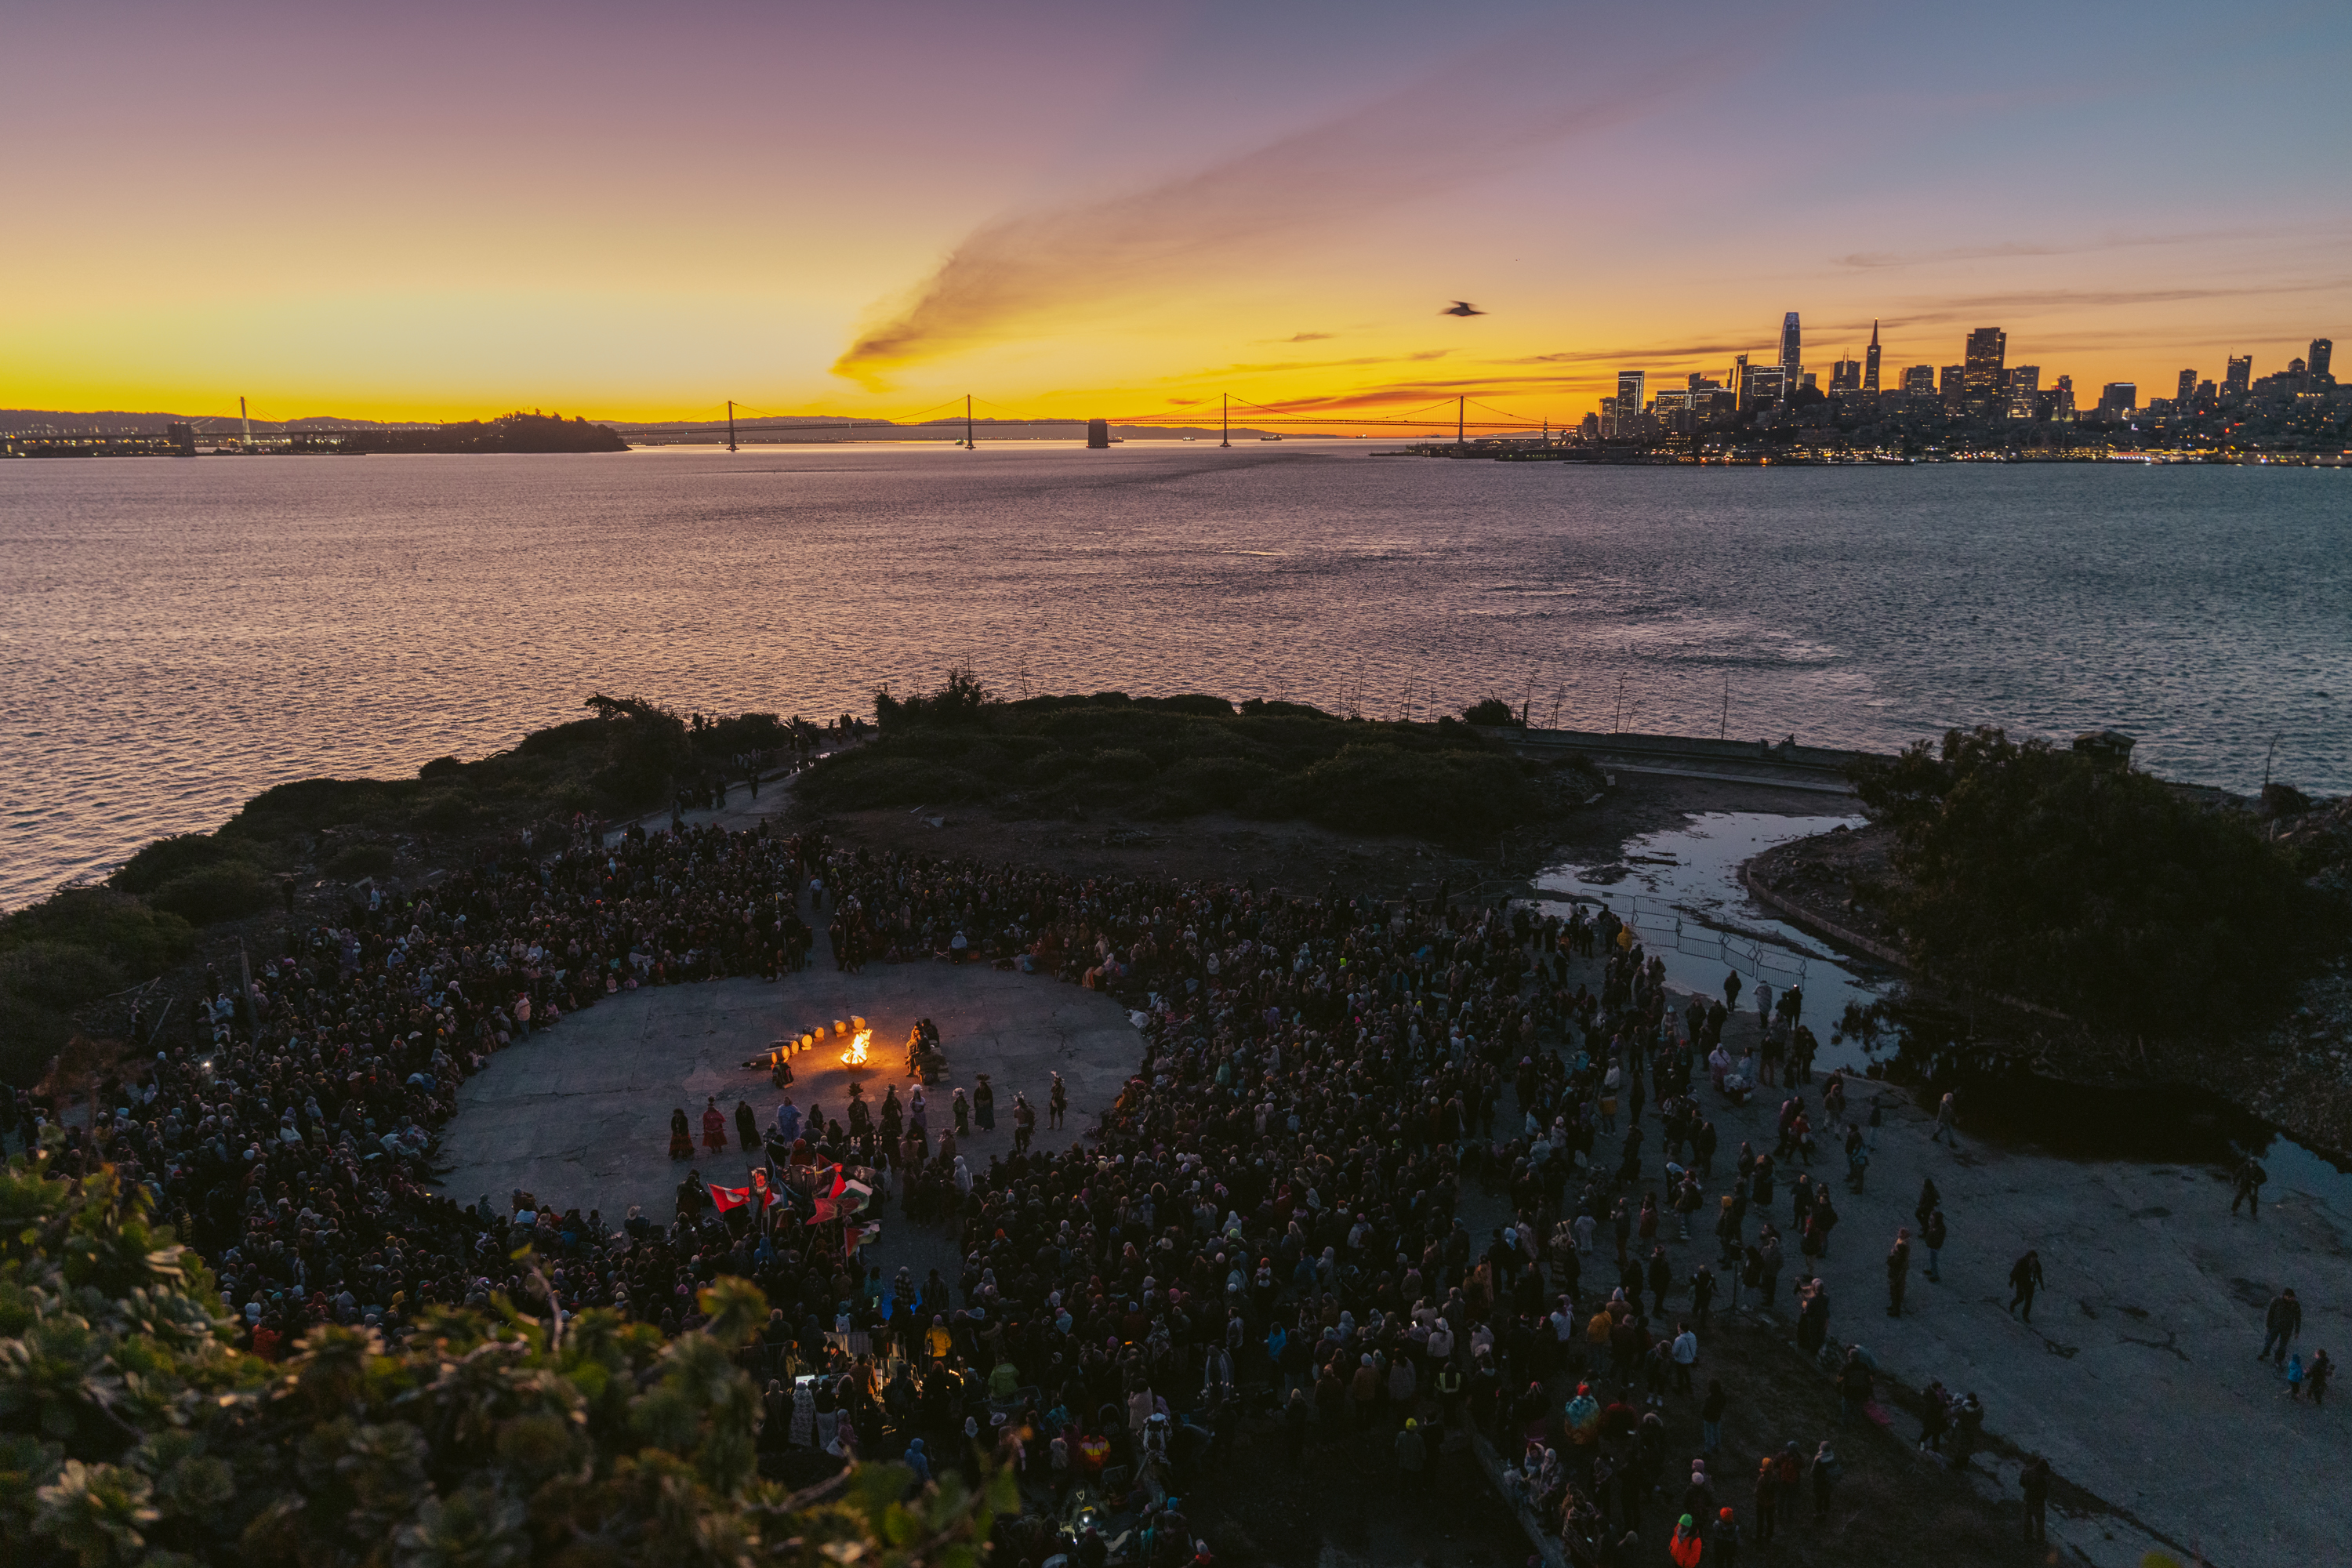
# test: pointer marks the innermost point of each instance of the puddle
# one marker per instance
(1680, 890)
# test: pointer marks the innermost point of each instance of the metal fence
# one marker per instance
(1658, 925)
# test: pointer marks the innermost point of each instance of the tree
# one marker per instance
(2025, 869)
(132, 1431)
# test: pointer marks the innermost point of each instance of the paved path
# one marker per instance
(2138, 1374)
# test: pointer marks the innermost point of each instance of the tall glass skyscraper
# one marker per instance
(1869, 361)
(1987, 348)
(1793, 347)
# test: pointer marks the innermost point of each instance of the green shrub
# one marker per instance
(451, 811)
(1216, 783)
(2026, 870)
(1493, 711)
(225, 892)
(165, 858)
(313, 805)
(59, 975)
(31, 1036)
(361, 861)
(128, 931)
(1197, 703)
(1386, 789)
(1120, 765)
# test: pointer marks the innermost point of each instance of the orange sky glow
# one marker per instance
(1069, 212)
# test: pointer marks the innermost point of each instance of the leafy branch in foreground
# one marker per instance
(131, 1431)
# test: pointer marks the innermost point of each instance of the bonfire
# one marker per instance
(854, 1056)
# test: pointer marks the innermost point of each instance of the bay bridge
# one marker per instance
(740, 423)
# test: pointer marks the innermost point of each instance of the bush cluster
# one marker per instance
(2026, 869)
(1175, 757)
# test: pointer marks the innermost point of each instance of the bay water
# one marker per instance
(176, 636)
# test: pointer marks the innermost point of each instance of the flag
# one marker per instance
(830, 1185)
(767, 1195)
(726, 1199)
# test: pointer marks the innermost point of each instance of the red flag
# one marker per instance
(828, 1197)
(767, 1195)
(727, 1197)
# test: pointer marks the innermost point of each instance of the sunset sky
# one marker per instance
(436, 210)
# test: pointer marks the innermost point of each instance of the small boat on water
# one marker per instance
(1269, 437)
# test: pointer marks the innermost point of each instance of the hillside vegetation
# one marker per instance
(2022, 868)
(85, 944)
(1173, 757)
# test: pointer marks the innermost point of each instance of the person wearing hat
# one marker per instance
(984, 1104)
(1723, 1541)
(1686, 1546)
(1412, 1456)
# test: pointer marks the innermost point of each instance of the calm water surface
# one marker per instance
(176, 636)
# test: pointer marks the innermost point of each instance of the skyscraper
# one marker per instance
(1988, 349)
(2063, 410)
(2187, 389)
(1793, 349)
(1845, 376)
(2322, 350)
(1740, 381)
(2023, 383)
(1919, 381)
(1631, 385)
(1952, 384)
(2241, 374)
(1869, 361)
(2118, 398)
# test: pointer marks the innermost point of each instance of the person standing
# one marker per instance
(2316, 1376)
(1767, 1499)
(1723, 1541)
(1947, 1123)
(1968, 1429)
(1932, 1234)
(1411, 1457)
(2281, 1323)
(1710, 1417)
(2035, 1479)
(1898, 1270)
(2247, 1188)
(1826, 1471)
(2024, 1279)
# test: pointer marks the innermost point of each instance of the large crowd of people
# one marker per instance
(1268, 1225)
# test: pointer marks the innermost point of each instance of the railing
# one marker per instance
(1662, 925)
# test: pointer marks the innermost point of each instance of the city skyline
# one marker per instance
(1073, 215)
(1984, 382)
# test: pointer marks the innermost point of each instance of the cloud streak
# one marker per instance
(1016, 275)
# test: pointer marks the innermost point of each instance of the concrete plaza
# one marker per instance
(579, 1115)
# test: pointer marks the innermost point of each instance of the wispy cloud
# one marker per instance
(1264, 368)
(2031, 301)
(1303, 338)
(2026, 249)
(1013, 274)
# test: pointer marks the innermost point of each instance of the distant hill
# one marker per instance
(118, 422)
(516, 432)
